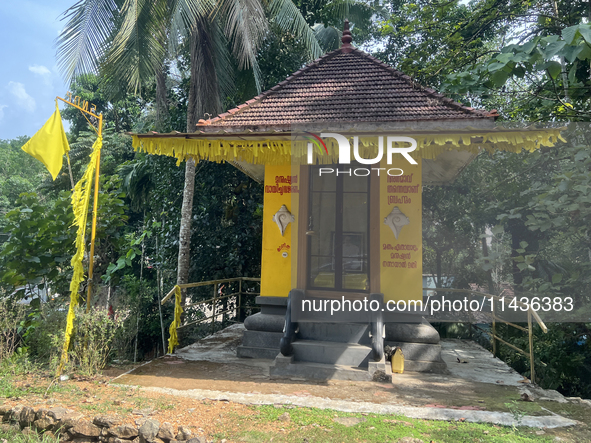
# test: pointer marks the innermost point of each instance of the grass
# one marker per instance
(316, 425)
(10, 434)
(18, 367)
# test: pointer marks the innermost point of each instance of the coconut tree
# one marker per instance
(127, 41)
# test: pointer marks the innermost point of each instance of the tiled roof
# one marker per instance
(346, 85)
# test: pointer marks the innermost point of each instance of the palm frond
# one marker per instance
(137, 181)
(81, 43)
(288, 17)
(224, 66)
(137, 49)
(204, 86)
(356, 11)
(338, 9)
(328, 37)
(184, 16)
(245, 26)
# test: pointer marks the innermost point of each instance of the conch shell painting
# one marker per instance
(283, 218)
(396, 220)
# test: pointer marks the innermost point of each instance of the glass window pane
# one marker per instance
(322, 272)
(323, 223)
(355, 183)
(355, 242)
(324, 182)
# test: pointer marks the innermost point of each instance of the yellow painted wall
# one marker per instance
(401, 259)
(401, 265)
(276, 267)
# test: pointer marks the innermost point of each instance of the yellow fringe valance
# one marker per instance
(280, 152)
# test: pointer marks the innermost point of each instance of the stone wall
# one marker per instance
(71, 426)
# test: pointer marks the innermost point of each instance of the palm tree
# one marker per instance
(127, 41)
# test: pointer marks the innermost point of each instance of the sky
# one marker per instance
(29, 79)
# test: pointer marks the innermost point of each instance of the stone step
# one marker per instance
(262, 339)
(437, 367)
(256, 352)
(337, 332)
(331, 353)
(319, 371)
(418, 351)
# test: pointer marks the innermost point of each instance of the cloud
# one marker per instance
(40, 70)
(23, 99)
(2, 111)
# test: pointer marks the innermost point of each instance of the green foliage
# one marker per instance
(11, 316)
(14, 435)
(18, 174)
(427, 40)
(41, 244)
(50, 318)
(90, 348)
(539, 71)
(116, 150)
(119, 115)
(227, 227)
(39, 247)
(562, 356)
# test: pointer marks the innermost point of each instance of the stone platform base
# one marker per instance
(264, 329)
(288, 367)
(336, 350)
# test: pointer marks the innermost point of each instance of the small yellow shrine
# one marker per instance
(337, 228)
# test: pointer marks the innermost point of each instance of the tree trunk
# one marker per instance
(204, 97)
(491, 285)
(162, 114)
(438, 259)
(184, 258)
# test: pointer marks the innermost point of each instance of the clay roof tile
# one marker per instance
(346, 85)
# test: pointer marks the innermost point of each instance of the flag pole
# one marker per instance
(83, 106)
(69, 165)
(94, 214)
(70, 170)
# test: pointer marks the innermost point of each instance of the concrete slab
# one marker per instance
(221, 348)
(481, 366)
(470, 361)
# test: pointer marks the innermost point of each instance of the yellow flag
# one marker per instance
(49, 144)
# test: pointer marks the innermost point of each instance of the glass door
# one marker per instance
(338, 231)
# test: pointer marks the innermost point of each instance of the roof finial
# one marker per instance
(346, 38)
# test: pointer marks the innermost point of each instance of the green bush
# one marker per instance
(91, 345)
(51, 317)
(11, 316)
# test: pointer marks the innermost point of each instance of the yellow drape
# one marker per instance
(80, 202)
(178, 310)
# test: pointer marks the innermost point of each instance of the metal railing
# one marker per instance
(227, 295)
(531, 315)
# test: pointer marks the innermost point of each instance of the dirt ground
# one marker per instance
(133, 406)
(211, 418)
(211, 365)
(407, 389)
